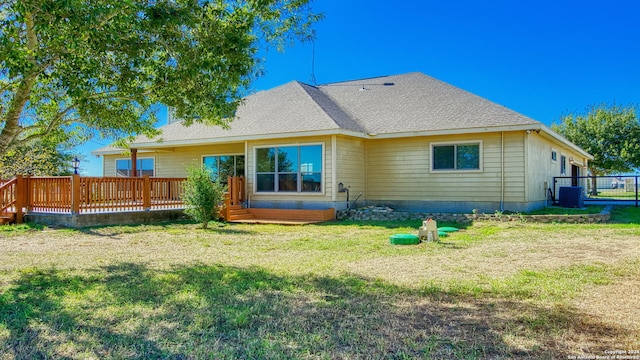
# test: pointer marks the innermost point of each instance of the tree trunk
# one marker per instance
(11, 128)
(594, 183)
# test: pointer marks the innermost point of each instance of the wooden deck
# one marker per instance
(78, 196)
(239, 214)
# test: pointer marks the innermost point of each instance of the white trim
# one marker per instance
(554, 161)
(158, 144)
(502, 174)
(457, 171)
(122, 151)
(566, 142)
(225, 154)
(566, 160)
(287, 193)
(527, 170)
(246, 157)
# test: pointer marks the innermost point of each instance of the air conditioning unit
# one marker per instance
(571, 197)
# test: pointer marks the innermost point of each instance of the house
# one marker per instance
(407, 141)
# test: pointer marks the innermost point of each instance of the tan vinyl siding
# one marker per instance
(542, 168)
(301, 197)
(351, 167)
(174, 162)
(109, 164)
(514, 166)
(400, 169)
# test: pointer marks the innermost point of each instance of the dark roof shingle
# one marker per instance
(406, 103)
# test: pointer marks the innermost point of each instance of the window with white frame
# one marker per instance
(554, 155)
(223, 166)
(144, 166)
(563, 165)
(289, 169)
(456, 156)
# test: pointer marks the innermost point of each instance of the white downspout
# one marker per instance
(246, 172)
(502, 171)
(334, 176)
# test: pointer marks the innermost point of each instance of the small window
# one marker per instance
(144, 166)
(456, 156)
(554, 155)
(563, 165)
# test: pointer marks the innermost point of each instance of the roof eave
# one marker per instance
(439, 132)
(547, 130)
(156, 145)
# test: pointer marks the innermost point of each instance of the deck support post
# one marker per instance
(21, 197)
(75, 194)
(134, 163)
(146, 193)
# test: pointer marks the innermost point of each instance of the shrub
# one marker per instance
(202, 196)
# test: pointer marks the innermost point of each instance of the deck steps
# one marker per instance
(237, 212)
(7, 218)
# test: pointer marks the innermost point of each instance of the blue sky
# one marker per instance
(541, 58)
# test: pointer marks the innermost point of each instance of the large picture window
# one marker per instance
(289, 169)
(144, 166)
(224, 166)
(463, 156)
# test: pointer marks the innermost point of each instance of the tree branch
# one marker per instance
(11, 129)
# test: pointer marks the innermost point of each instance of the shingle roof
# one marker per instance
(417, 102)
(406, 103)
(289, 108)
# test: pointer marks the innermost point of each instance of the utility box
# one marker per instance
(429, 231)
(571, 197)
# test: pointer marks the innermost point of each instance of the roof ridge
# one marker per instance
(369, 78)
(353, 80)
(332, 109)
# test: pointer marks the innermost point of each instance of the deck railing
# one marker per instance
(7, 195)
(85, 195)
(82, 195)
(235, 194)
(100, 194)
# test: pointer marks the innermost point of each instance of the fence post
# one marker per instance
(231, 189)
(146, 193)
(75, 194)
(636, 191)
(227, 207)
(26, 182)
(20, 194)
(241, 191)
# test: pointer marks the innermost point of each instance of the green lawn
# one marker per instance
(335, 290)
(620, 194)
(557, 210)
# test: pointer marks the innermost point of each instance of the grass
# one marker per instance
(614, 194)
(556, 210)
(335, 290)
